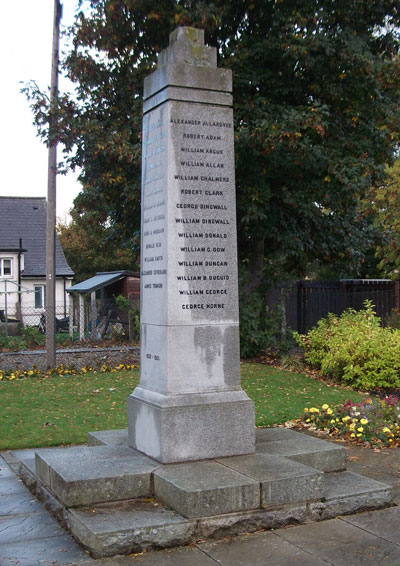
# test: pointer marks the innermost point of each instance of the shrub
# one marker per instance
(261, 328)
(393, 319)
(133, 311)
(354, 348)
(117, 332)
(31, 336)
(13, 343)
(291, 362)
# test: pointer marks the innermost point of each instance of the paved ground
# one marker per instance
(30, 537)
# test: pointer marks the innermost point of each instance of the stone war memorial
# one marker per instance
(189, 404)
(191, 464)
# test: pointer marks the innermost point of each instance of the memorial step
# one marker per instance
(347, 492)
(282, 481)
(305, 449)
(108, 437)
(84, 475)
(319, 454)
(142, 524)
(200, 489)
(128, 527)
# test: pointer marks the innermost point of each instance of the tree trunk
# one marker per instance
(256, 267)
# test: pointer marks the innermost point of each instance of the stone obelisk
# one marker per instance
(189, 404)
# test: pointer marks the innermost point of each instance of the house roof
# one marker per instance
(25, 218)
(100, 280)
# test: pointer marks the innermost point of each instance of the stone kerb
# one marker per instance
(189, 404)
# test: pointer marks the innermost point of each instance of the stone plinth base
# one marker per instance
(179, 428)
(115, 500)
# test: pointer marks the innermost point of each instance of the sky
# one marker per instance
(26, 32)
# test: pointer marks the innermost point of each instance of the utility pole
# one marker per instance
(51, 198)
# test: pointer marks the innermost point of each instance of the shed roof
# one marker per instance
(25, 218)
(100, 280)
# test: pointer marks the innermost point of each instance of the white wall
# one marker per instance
(31, 315)
(9, 283)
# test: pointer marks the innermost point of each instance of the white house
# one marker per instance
(23, 261)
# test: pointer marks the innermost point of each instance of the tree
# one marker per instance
(386, 205)
(316, 107)
(91, 250)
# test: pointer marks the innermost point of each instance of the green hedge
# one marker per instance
(355, 349)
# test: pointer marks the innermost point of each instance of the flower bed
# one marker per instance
(374, 422)
(62, 371)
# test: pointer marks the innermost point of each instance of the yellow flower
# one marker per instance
(308, 420)
(314, 410)
(306, 409)
(360, 429)
(325, 406)
(364, 421)
(332, 421)
(386, 429)
(359, 434)
(352, 435)
(329, 411)
(352, 426)
(346, 418)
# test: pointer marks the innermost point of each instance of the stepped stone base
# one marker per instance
(115, 500)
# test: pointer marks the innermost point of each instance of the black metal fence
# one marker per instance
(304, 303)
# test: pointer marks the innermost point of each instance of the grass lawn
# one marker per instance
(60, 410)
(281, 395)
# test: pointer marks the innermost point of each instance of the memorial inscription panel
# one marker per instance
(189, 190)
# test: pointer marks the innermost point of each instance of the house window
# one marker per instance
(5, 267)
(40, 296)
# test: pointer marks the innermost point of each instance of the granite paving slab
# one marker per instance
(27, 527)
(259, 549)
(319, 454)
(272, 434)
(87, 475)
(185, 556)
(18, 503)
(11, 485)
(205, 488)
(346, 484)
(387, 460)
(346, 492)
(44, 551)
(384, 523)
(108, 437)
(282, 481)
(375, 473)
(5, 471)
(128, 527)
(342, 544)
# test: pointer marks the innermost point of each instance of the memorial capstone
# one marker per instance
(189, 404)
